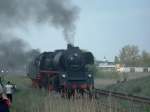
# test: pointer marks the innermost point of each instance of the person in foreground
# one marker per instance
(4, 102)
(9, 90)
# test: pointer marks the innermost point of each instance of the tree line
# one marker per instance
(131, 56)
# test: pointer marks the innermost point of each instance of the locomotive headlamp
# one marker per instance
(63, 75)
(2, 71)
(89, 75)
(76, 54)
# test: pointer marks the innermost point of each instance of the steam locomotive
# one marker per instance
(63, 70)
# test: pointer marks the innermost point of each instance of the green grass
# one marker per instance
(139, 87)
(106, 74)
(25, 98)
(28, 99)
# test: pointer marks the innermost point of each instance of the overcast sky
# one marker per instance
(103, 27)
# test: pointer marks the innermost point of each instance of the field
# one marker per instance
(28, 99)
(139, 86)
(105, 79)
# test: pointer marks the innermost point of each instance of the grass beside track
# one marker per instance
(28, 99)
(140, 87)
(25, 98)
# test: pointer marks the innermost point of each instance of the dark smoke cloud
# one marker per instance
(12, 53)
(58, 13)
(15, 54)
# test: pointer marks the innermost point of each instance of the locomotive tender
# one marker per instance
(62, 70)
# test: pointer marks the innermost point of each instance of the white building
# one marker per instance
(105, 65)
(133, 69)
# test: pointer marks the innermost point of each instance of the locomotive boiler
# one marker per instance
(63, 70)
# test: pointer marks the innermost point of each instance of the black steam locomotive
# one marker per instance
(62, 70)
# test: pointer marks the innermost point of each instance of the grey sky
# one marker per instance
(103, 27)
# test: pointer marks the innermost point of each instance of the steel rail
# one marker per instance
(123, 96)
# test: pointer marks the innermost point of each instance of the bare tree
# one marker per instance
(145, 59)
(116, 60)
(129, 55)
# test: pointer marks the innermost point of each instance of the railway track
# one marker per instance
(123, 96)
(121, 101)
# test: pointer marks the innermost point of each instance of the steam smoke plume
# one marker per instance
(15, 13)
(58, 13)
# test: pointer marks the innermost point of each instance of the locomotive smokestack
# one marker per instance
(70, 46)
